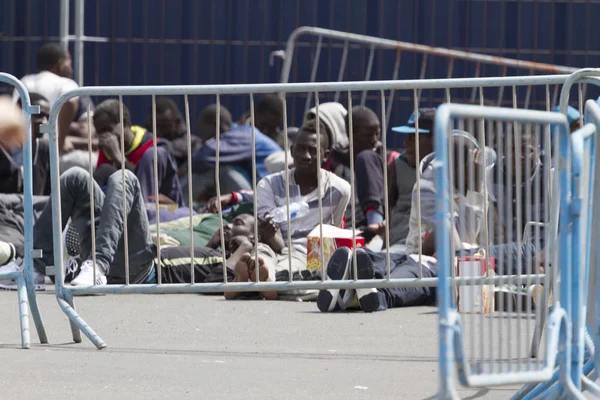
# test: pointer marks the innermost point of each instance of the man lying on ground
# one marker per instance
(273, 252)
(109, 228)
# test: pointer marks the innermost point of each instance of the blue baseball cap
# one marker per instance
(572, 113)
(425, 116)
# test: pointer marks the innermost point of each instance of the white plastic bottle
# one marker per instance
(297, 210)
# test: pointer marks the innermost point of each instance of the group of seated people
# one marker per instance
(325, 180)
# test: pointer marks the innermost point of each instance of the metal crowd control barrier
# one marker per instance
(564, 346)
(65, 293)
(349, 41)
(25, 276)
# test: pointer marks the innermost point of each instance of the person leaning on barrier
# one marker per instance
(139, 154)
(273, 253)
(235, 154)
(467, 221)
(172, 130)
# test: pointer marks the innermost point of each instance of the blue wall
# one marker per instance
(229, 41)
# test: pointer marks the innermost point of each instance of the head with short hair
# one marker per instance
(426, 129)
(168, 118)
(365, 128)
(107, 120)
(54, 58)
(304, 150)
(268, 115)
(206, 124)
(42, 117)
(241, 225)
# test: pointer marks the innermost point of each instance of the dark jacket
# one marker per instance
(11, 179)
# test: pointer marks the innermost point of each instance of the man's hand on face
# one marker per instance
(109, 143)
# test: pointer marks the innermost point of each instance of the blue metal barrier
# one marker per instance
(560, 340)
(24, 277)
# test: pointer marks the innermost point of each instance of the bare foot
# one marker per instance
(263, 271)
(241, 275)
(242, 268)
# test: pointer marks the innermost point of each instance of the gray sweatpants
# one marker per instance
(109, 221)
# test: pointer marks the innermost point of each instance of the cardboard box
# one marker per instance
(478, 299)
(333, 239)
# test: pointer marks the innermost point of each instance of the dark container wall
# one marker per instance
(153, 42)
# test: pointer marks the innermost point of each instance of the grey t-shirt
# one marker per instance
(406, 177)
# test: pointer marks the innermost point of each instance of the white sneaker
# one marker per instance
(86, 275)
(11, 284)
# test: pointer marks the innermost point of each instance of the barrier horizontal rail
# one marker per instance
(65, 293)
(283, 286)
(378, 42)
(453, 345)
(430, 56)
(25, 277)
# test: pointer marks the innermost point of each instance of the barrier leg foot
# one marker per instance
(35, 312)
(74, 328)
(23, 313)
(80, 323)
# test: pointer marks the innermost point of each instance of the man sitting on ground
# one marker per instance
(468, 206)
(368, 166)
(273, 252)
(235, 153)
(402, 175)
(172, 130)
(54, 78)
(268, 118)
(139, 154)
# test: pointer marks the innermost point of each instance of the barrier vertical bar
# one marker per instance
(474, 90)
(388, 112)
(79, 33)
(363, 97)
(486, 230)
(156, 200)
(123, 169)
(287, 182)
(422, 74)
(517, 153)
(218, 184)
(64, 23)
(252, 122)
(386, 200)
(342, 70)
(313, 73)
(92, 203)
(442, 241)
(318, 115)
(190, 188)
(418, 186)
(352, 184)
